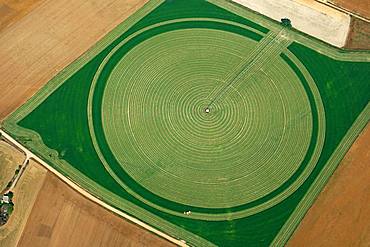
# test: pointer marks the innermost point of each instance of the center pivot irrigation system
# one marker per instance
(206, 121)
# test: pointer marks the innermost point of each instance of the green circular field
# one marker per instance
(184, 140)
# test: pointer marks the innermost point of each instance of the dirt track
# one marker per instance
(341, 214)
(62, 217)
(54, 34)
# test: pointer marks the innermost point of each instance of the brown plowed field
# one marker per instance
(360, 7)
(13, 10)
(62, 217)
(341, 214)
(50, 37)
(359, 35)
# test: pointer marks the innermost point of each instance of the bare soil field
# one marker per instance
(341, 214)
(62, 217)
(50, 37)
(308, 16)
(359, 35)
(13, 10)
(10, 158)
(25, 194)
(360, 7)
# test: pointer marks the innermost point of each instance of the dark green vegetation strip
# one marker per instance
(177, 9)
(61, 120)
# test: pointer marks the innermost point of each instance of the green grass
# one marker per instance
(321, 97)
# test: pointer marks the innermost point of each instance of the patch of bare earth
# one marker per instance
(62, 217)
(49, 38)
(359, 35)
(341, 214)
(360, 7)
(25, 194)
(13, 10)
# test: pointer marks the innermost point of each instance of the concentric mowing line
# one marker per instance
(268, 48)
(139, 150)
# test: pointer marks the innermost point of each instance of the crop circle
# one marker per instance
(175, 143)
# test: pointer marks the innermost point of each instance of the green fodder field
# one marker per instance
(209, 122)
